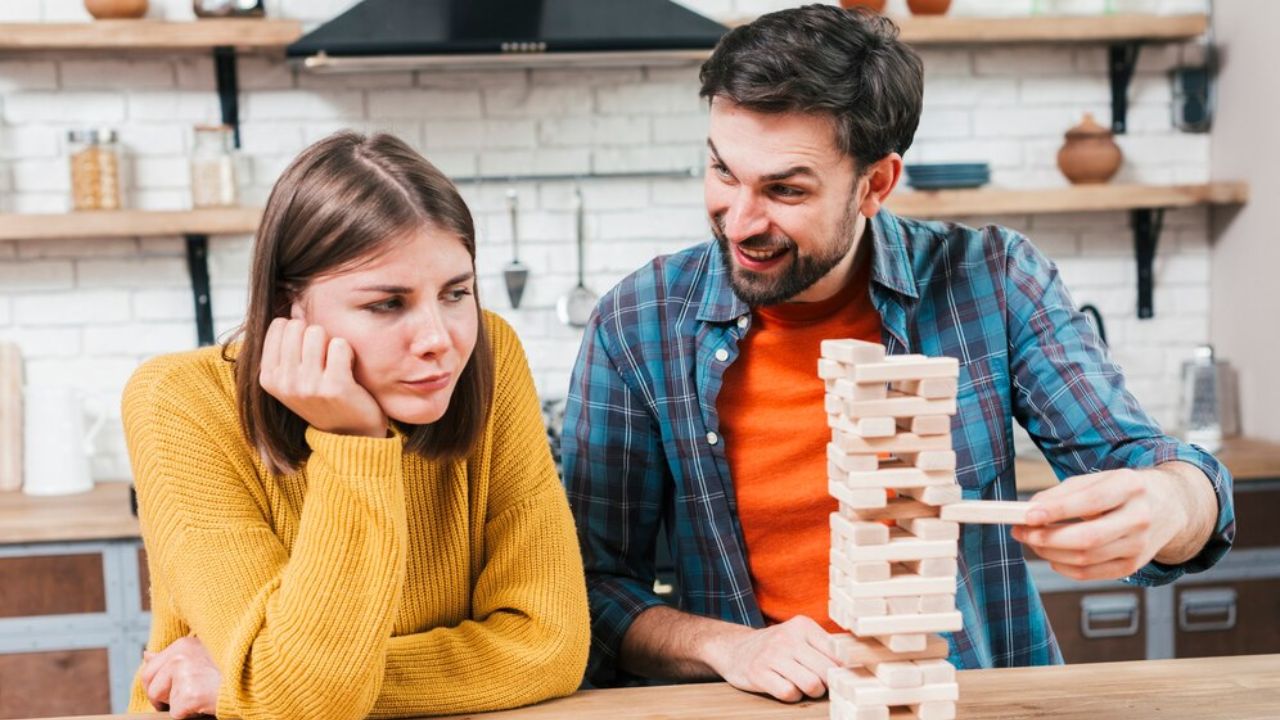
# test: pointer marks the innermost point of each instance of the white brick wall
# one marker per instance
(86, 311)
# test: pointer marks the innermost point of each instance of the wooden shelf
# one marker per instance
(1076, 198)
(959, 30)
(242, 34)
(1248, 460)
(100, 514)
(129, 223)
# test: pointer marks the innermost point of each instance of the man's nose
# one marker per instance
(745, 217)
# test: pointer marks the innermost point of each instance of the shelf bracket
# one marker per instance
(198, 266)
(1122, 60)
(224, 67)
(1147, 223)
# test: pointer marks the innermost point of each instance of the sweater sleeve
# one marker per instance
(529, 630)
(296, 633)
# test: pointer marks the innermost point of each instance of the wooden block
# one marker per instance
(931, 459)
(926, 424)
(900, 443)
(898, 675)
(936, 671)
(938, 710)
(865, 688)
(897, 585)
(852, 462)
(907, 624)
(842, 392)
(869, 427)
(932, 567)
(900, 548)
(852, 352)
(936, 494)
(937, 603)
(931, 388)
(897, 475)
(851, 651)
(931, 528)
(857, 532)
(831, 369)
(896, 509)
(904, 605)
(988, 512)
(906, 367)
(856, 607)
(866, 571)
(897, 405)
(833, 405)
(906, 643)
(852, 499)
(842, 708)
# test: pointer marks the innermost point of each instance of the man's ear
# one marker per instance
(881, 179)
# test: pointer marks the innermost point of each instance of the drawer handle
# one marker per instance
(1109, 616)
(1207, 610)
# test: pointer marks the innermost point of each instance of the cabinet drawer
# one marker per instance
(55, 683)
(1256, 513)
(52, 585)
(1098, 626)
(1229, 618)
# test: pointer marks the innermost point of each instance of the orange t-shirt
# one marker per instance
(776, 435)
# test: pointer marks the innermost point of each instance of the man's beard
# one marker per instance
(798, 275)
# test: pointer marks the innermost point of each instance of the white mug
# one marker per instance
(56, 448)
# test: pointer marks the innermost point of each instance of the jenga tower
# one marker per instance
(893, 556)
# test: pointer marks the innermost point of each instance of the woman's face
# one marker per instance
(410, 316)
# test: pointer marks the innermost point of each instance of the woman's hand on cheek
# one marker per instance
(312, 374)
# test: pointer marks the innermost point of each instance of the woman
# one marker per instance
(353, 510)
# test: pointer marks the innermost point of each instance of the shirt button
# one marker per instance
(742, 322)
(722, 354)
(712, 438)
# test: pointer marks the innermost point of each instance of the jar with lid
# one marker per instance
(95, 169)
(213, 171)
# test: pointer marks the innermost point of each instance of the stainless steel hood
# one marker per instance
(396, 34)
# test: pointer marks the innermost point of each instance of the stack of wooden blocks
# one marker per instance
(892, 587)
(895, 538)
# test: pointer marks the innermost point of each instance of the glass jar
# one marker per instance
(213, 170)
(95, 169)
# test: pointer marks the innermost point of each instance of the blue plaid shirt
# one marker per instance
(641, 444)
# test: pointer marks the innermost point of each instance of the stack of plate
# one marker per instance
(935, 176)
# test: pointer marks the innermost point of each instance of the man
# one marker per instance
(695, 402)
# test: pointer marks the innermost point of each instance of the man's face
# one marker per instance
(782, 199)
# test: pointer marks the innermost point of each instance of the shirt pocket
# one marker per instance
(981, 433)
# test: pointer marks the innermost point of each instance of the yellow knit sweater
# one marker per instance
(372, 582)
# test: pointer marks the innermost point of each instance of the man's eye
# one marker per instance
(787, 191)
(720, 170)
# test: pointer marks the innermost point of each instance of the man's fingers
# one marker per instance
(1111, 570)
(1080, 497)
(1128, 546)
(1082, 535)
(805, 679)
(773, 683)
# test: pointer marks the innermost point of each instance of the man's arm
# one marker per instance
(788, 661)
(1148, 507)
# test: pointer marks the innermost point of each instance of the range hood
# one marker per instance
(398, 34)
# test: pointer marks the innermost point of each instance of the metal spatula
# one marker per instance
(515, 274)
(574, 307)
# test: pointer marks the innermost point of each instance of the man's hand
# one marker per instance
(788, 661)
(182, 678)
(1125, 518)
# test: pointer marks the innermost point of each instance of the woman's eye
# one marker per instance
(457, 295)
(386, 306)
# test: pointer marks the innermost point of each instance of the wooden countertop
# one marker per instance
(1246, 458)
(1224, 688)
(100, 514)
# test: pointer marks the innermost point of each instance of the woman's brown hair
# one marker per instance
(345, 200)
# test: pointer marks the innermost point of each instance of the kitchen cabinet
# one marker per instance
(74, 612)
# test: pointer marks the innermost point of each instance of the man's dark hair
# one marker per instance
(849, 64)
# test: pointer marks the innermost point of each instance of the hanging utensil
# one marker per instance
(515, 273)
(575, 307)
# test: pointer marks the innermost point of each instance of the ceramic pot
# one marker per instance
(872, 5)
(929, 7)
(1090, 153)
(114, 9)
